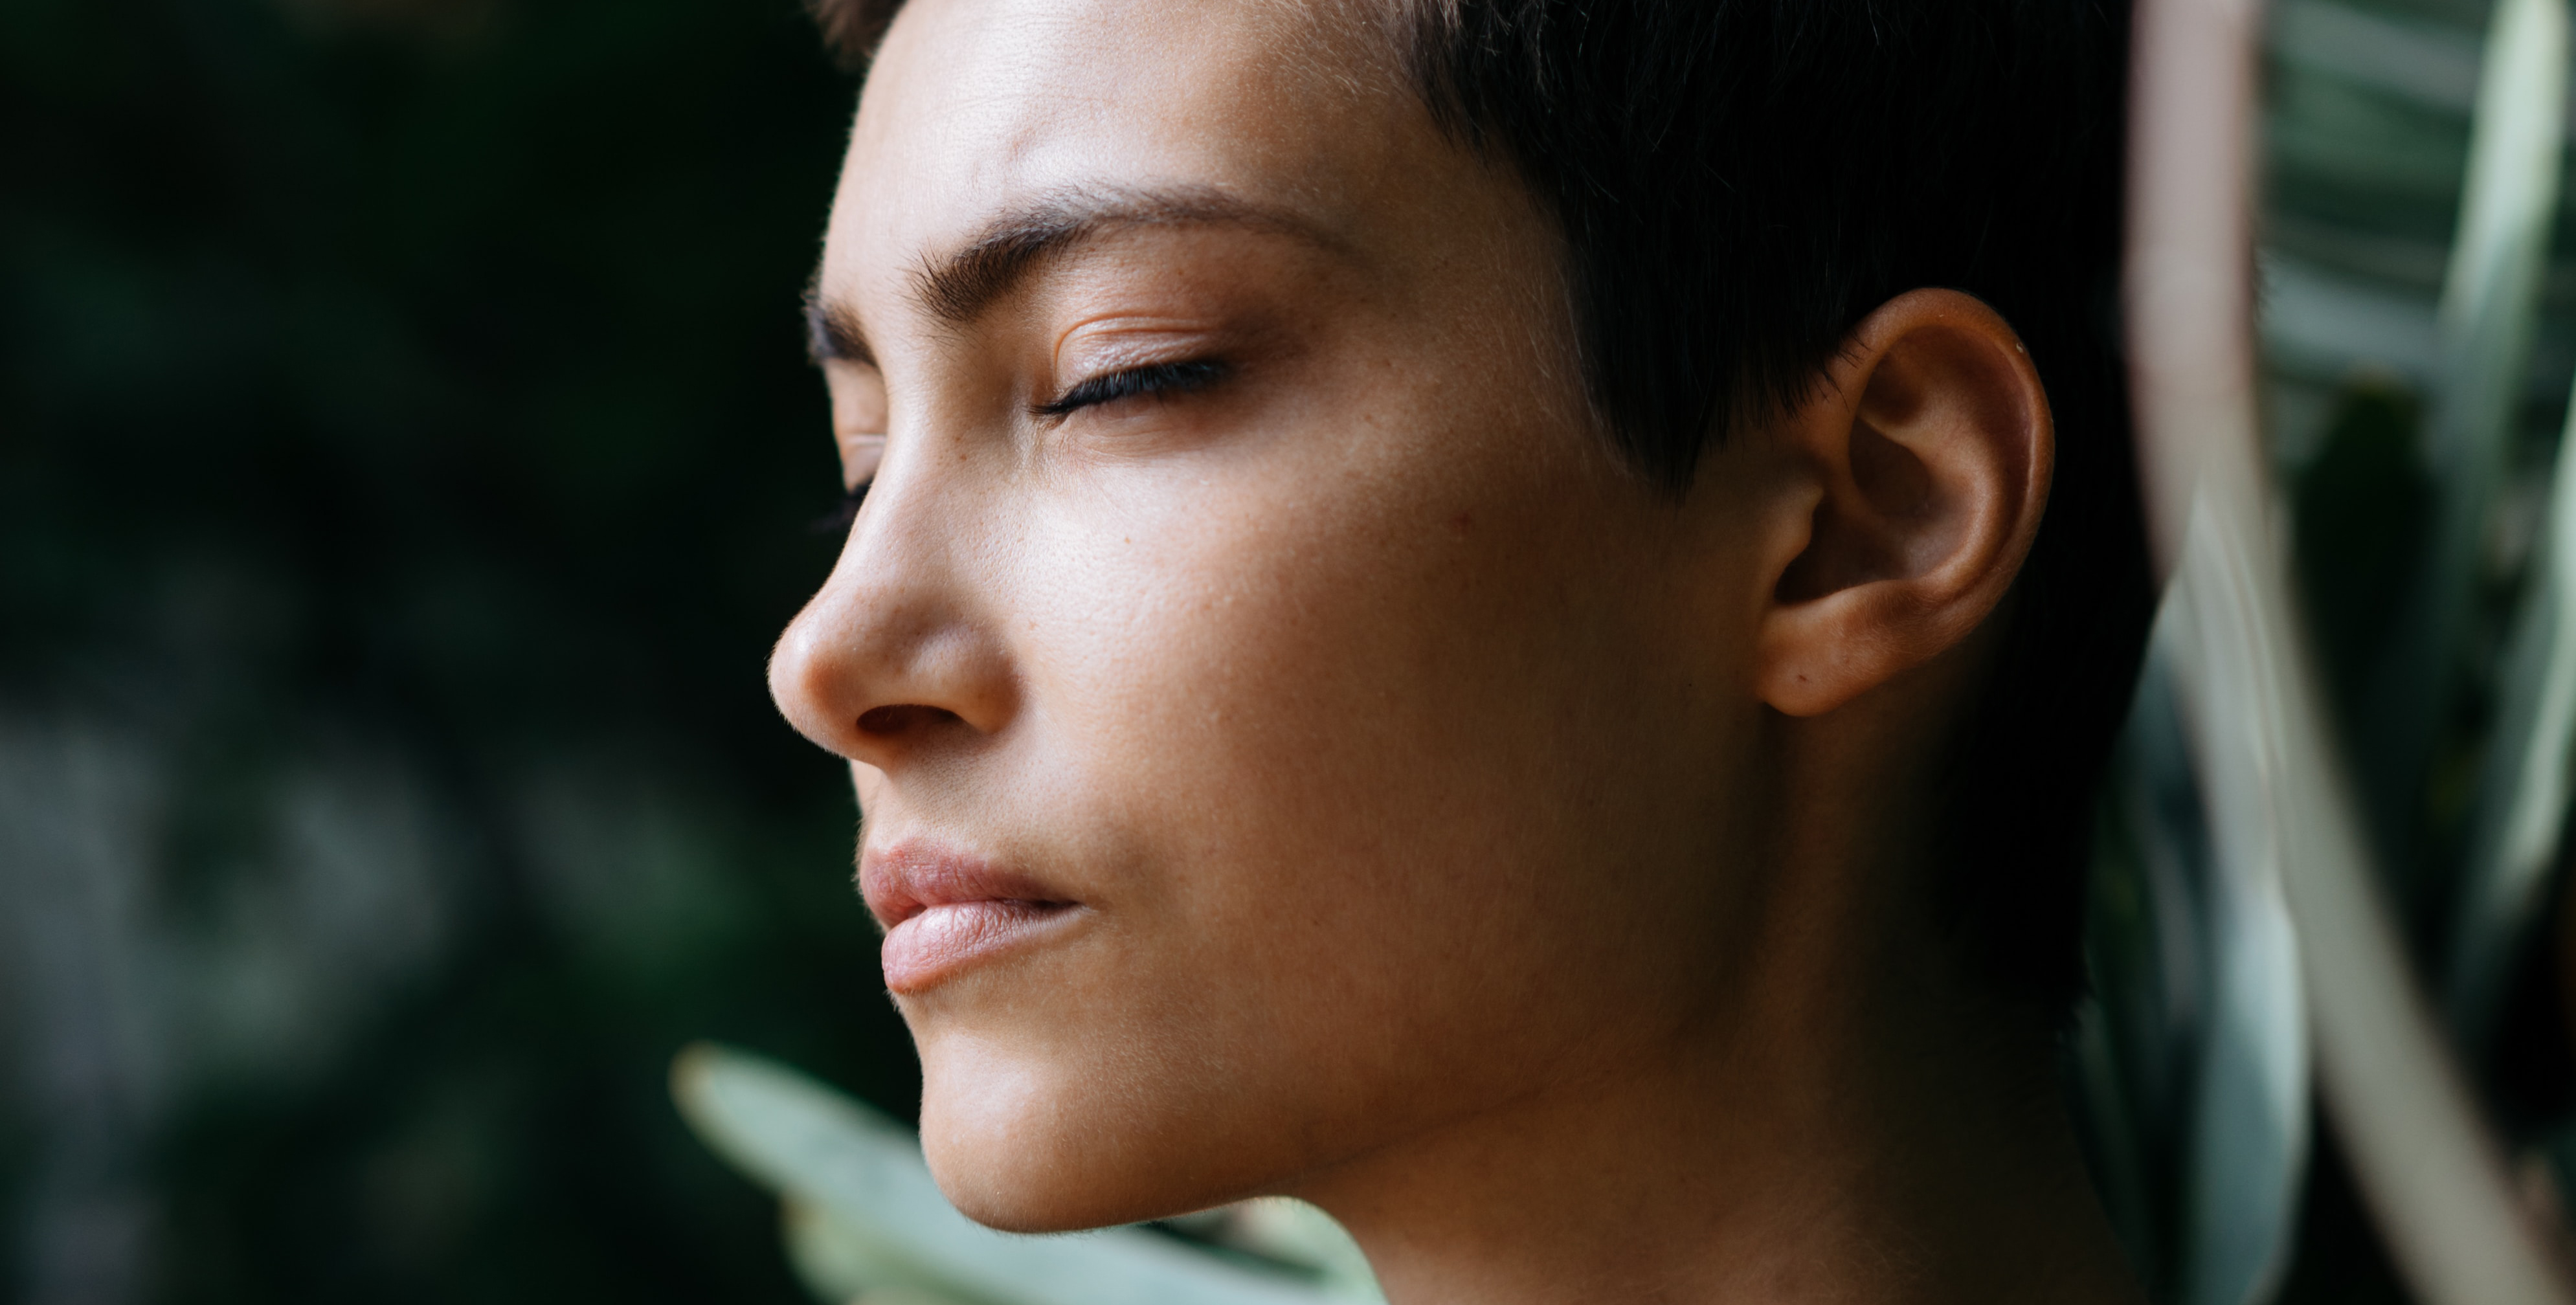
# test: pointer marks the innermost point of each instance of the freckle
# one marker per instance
(1460, 524)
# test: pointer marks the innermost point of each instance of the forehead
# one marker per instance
(974, 106)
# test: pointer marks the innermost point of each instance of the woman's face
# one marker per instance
(1284, 727)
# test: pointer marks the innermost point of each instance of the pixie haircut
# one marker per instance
(1737, 184)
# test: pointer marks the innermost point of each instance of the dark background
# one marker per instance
(406, 457)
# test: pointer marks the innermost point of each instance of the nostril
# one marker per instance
(901, 718)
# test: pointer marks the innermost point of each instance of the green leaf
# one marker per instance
(889, 1227)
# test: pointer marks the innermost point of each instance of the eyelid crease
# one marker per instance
(1132, 340)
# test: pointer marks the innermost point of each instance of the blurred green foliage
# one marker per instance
(2413, 436)
(407, 398)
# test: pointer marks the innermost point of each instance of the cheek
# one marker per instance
(1266, 677)
(1355, 741)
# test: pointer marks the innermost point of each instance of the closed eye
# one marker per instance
(1153, 380)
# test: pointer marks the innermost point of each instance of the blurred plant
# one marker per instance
(864, 1222)
(2412, 194)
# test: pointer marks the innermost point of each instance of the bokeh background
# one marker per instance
(406, 457)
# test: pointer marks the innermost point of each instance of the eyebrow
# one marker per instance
(832, 331)
(1006, 251)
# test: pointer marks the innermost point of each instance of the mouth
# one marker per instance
(945, 911)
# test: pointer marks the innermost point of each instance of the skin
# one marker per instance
(1457, 832)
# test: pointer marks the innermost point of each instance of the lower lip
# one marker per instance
(941, 941)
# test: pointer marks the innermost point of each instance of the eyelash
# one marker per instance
(1156, 380)
(1152, 380)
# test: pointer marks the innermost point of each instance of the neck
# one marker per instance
(1787, 1162)
(1845, 1124)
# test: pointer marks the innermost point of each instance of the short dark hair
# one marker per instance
(1738, 183)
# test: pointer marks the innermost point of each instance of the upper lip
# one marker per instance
(904, 880)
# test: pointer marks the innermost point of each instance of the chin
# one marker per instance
(1038, 1147)
(1004, 1184)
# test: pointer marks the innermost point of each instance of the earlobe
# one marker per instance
(1928, 450)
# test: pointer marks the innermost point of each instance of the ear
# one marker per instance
(1927, 452)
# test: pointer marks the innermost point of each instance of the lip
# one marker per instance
(945, 910)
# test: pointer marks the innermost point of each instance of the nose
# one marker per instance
(895, 656)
